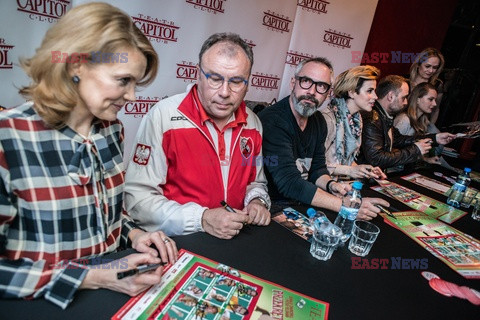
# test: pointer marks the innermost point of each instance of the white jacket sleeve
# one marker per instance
(146, 173)
(258, 188)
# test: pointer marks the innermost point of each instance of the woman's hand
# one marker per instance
(166, 247)
(107, 277)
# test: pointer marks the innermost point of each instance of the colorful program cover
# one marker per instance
(441, 188)
(417, 201)
(295, 222)
(458, 250)
(198, 288)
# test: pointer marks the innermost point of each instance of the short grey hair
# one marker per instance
(321, 60)
(227, 37)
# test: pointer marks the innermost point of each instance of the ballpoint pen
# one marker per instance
(388, 213)
(140, 269)
(226, 206)
(229, 209)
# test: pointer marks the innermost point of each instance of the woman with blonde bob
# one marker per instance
(416, 120)
(354, 91)
(427, 67)
(61, 167)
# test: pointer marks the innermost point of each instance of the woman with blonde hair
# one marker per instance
(354, 91)
(61, 165)
(416, 120)
(427, 67)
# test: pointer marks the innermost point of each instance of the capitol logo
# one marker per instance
(141, 106)
(187, 71)
(43, 10)
(210, 6)
(156, 30)
(5, 62)
(316, 6)
(337, 39)
(276, 22)
(265, 81)
(294, 57)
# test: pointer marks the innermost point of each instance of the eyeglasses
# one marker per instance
(215, 81)
(306, 83)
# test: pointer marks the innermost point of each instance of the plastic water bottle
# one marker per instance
(459, 188)
(351, 202)
(316, 218)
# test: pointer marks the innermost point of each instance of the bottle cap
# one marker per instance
(357, 185)
(468, 170)
(311, 212)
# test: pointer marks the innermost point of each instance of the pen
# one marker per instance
(140, 269)
(226, 206)
(388, 213)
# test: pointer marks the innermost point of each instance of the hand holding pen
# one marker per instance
(221, 224)
(140, 269)
(106, 276)
(388, 213)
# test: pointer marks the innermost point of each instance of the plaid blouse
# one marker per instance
(61, 199)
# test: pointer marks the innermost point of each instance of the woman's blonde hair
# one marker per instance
(353, 79)
(86, 29)
(421, 58)
(419, 124)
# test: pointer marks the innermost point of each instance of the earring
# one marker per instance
(75, 79)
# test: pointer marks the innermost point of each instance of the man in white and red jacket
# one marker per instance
(197, 149)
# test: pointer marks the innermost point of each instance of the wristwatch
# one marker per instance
(263, 201)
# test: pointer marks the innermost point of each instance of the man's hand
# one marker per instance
(133, 285)
(339, 189)
(368, 209)
(257, 213)
(223, 224)
(432, 160)
(424, 145)
(444, 137)
(166, 247)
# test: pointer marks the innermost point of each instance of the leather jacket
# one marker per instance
(377, 149)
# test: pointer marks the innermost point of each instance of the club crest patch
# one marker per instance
(246, 147)
(142, 154)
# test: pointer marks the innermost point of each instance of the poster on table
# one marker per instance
(281, 33)
(417, 201)
(294, 221)
(458, 250)
(441, 188)
(199, 288)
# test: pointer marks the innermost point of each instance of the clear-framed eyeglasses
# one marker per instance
(215, 81)
(306, 83)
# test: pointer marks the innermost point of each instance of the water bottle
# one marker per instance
(459, 188)
(316, 218)
(351, 202)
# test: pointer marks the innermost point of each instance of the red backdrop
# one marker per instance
(408, 26)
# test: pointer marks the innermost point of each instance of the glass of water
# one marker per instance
(364, 234)
(325, 240)
(476, 210)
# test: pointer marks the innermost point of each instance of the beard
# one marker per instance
(305, 109)
(397, 109)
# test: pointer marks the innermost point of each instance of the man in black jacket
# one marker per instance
(294, 135)
(382, 144)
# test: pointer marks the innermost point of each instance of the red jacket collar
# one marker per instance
(193, 109)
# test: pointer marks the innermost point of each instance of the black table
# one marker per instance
(275, 254)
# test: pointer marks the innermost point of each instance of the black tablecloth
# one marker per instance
(275, 254)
